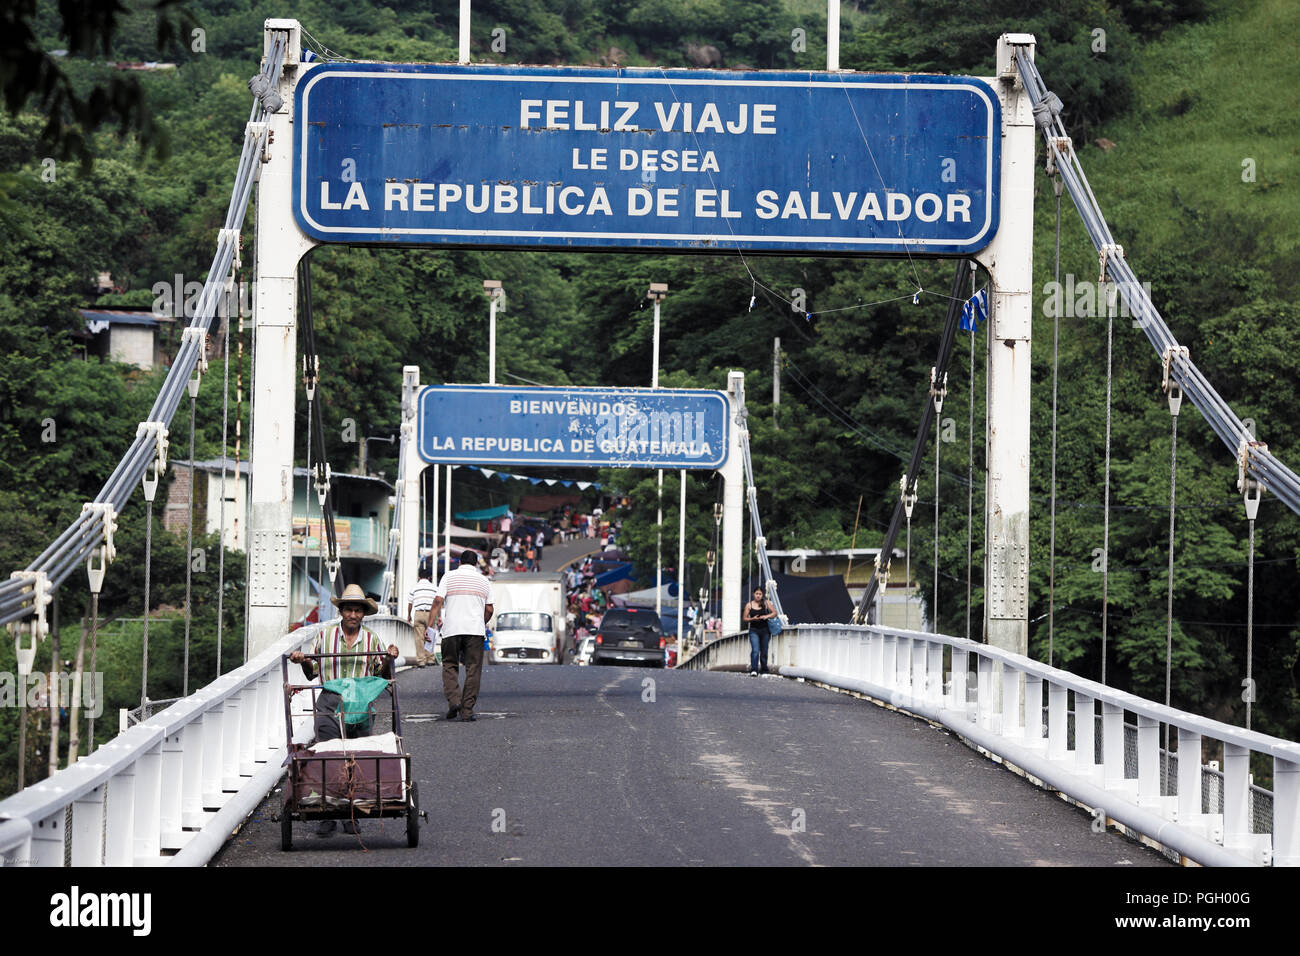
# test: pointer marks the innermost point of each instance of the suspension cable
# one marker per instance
(221, 509)
(1105, 519)
(758, 541)
(938, 390)
(1056, 354)
(327, 505)
(1250, 620)
(1175, 396)
(74, 543)
(1258, 463)
(406, 433)
(947, 340)
(970, 469)
(149, 491)
(189, 545)
(309, 366)
(1252, 491)
(94, 653)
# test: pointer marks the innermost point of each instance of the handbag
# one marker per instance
(774, 626)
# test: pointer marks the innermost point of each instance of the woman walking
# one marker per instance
(758, 612)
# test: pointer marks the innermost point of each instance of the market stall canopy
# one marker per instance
(646, 597)
(458, 532)
(483, 514)
(619, 572)
(441, 552)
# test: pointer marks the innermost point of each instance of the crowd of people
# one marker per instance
(587, 603)
(522, 539)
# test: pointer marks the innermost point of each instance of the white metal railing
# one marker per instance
(173, 788)
(1028, 715)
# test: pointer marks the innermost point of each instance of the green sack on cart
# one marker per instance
(358, 693)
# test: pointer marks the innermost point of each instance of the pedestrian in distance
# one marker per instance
(464, 601)
(418, 606)
(758, 612)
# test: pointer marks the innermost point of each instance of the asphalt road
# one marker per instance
(595, 766)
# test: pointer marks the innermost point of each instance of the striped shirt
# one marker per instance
(332, 641)
(422, 595)
(465, 593)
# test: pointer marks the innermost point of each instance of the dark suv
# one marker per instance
(629, 635)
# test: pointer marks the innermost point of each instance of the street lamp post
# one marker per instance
(390, 439)
(717, 535)
(658, 292)
(681, 567)
(701, 619)
(710, 558)
(496, 296)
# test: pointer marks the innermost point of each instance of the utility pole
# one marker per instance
(496, 296)
(832, 35)
(464, 32)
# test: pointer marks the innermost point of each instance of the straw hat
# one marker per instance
(353, 594)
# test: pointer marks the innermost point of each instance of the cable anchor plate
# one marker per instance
(1169, 383)
(159, 463)
(909, 500)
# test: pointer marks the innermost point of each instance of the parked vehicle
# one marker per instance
(528, 622)
(585, 650)
(630, 635)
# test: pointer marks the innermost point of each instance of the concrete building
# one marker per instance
(133, 337)
(363, 514)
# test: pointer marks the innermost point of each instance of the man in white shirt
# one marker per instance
(464, 599)
(418, 606)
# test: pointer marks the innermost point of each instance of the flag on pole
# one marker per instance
(974, 311)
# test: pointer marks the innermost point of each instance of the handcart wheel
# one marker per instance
(413, 818)
(286, 829)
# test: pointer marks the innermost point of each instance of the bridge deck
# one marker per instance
(576, 768)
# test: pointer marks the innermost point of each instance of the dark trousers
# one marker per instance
(758, 649)
(460, 649)
(329, 724)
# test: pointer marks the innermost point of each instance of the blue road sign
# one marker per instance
(619, 427)
(680, 159)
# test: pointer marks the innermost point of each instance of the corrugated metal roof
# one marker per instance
(97, 320)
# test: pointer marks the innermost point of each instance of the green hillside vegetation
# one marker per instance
(1183, 94)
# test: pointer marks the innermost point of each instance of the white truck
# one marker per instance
(528, 625)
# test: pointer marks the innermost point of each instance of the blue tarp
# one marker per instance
(484, 514)
(616, 573)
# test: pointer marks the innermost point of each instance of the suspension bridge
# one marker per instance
(874, 744)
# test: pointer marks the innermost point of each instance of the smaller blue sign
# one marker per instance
(596, 427)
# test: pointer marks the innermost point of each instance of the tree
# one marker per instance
(30, 72)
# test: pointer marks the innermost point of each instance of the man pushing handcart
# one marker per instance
(348, 773)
